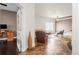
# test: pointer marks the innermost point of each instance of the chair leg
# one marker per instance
(57, 35)
(62, 35)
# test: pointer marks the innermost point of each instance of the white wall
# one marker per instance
(75, 29)
(41, 24)
(28, 24)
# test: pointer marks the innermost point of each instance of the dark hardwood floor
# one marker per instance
(9, 48)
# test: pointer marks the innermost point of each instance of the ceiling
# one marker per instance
(10, 7)
(53, 10)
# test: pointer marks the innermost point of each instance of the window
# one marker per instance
(49, 26)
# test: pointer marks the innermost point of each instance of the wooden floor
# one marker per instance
(55, 46)
(8, 48)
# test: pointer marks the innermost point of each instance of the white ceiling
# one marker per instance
(10, 7)
(53, 10)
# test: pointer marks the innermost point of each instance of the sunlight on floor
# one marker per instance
(51, 43)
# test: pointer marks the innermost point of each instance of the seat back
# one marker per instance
(40, 36)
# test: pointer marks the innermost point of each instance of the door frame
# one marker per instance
(19, 42)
